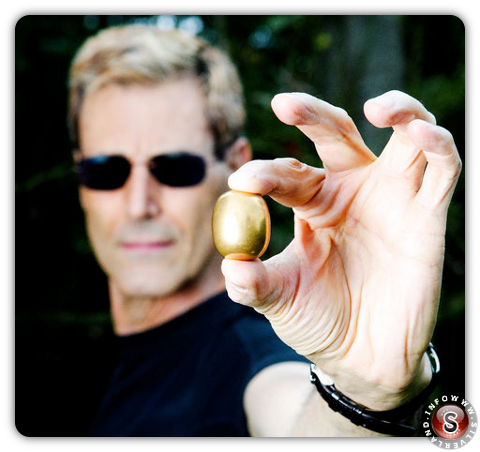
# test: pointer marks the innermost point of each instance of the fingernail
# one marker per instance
(385, 101)
(248, 180)
(241, 176)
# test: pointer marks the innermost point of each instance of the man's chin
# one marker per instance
(139, 290)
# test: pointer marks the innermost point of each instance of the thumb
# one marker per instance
(254, 283)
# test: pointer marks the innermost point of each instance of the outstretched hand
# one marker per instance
(357, 290)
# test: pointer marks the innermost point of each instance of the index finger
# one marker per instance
(286, 180)
(333, 132)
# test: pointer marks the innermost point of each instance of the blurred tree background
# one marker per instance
(63, 354)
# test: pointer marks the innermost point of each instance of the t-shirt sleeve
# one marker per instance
(263, 347)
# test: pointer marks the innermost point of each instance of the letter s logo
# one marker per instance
(451, 422)
(450, 426)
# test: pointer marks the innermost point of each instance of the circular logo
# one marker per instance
(450, 421)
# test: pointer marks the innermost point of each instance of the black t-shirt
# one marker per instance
(187, 377)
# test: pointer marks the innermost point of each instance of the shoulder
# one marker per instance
(266, 377)
(276, 377)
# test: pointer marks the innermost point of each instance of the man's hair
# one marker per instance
(142, 54)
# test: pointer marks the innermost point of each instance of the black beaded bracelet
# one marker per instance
(386, 422)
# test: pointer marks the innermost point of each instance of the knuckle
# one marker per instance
(343, 115)
(345, 121)
(445, 137)
(289, 162)
(446, 143)
(292, 165)
(457, 167)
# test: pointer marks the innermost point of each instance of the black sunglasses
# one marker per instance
(109, 172)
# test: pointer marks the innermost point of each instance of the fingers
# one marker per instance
(416, 140)
(400, 157)
(395, 109)
(286, 180)
(336, 137)
(419, 149)
(443, 163)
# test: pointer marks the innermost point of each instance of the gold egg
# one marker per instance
(241, 225)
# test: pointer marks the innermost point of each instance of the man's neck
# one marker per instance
(133, 315)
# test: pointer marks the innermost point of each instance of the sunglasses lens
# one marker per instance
(179, 169)
(103, 172)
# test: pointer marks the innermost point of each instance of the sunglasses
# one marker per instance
(109, 172)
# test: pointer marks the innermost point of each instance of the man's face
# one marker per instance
(150, 238)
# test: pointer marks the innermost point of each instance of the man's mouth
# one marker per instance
(146, 246)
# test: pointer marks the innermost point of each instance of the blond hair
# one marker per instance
(142, 54)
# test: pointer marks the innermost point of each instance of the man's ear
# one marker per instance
(77, 155)
(239, 153)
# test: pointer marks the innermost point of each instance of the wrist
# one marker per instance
(382, 396)
(393, 420)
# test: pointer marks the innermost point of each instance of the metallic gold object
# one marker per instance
(241, 225)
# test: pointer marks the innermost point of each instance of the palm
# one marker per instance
(385, 270)
(359, 285)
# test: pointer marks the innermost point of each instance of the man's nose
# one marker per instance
(142, 194)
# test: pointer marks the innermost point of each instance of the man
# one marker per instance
(157, 122)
